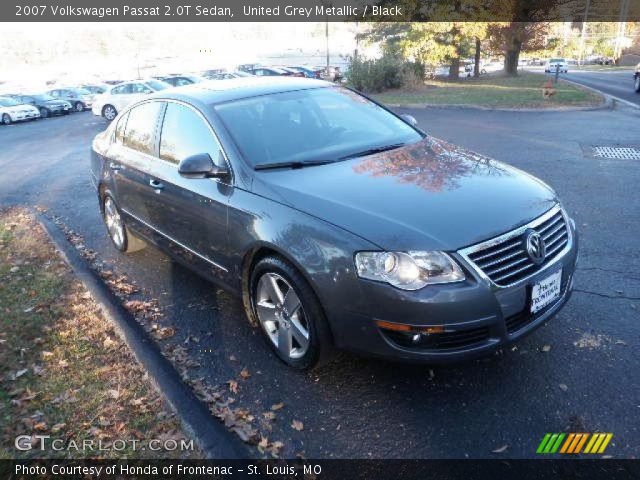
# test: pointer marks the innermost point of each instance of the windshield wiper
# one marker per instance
(371, 151)
(298, 164)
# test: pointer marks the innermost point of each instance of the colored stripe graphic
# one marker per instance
(573, 443)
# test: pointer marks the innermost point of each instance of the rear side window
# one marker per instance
(141, 126)
(120, 90)
(185, 133)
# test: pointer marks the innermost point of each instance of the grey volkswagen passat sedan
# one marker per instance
(341, 224)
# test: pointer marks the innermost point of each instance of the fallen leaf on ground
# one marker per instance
(297, 425)
(245, 373)
(563, 387)
(546, 348)
(233, 386)
(277, 406)
(20, 373)
(115, 394)
(500, 449)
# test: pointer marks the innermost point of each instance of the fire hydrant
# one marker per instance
(547, 90)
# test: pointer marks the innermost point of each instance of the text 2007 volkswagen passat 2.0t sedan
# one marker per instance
(341, 224)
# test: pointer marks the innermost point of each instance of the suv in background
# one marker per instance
(560, 64)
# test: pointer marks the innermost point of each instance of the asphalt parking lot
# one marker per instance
(577, 374)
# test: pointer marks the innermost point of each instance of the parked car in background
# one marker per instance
(535, 61)
(340, 223)
(119, 96)
(307, 71)
(636, 79)
(271, 72)
(14, 111)
(212, 71)
(554, 64)
(80, 98)
(181, 80)
(332, 74)
(228, 75)
(95, 88)
(45, 103)
(292, 71)
(248, 67)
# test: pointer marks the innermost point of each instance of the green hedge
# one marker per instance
(384, 73)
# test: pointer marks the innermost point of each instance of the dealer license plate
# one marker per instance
(545, 291)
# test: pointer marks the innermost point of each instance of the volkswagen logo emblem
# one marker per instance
(536, 249)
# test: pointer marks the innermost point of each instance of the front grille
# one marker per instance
(440, 341)
(506, 261)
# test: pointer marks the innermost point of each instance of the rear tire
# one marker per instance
(289, 314)
(44, 113)
(636, 84)
(79, 107)
(6, 119)
(120, 235)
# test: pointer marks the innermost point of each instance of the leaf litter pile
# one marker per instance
(63, 370)
(252, 428)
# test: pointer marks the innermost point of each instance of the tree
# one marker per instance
(515, 37)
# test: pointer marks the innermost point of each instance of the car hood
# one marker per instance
(430, 195)
(54, 103)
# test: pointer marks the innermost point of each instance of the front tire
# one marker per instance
(289, 314)
(109, 112)
(44, 113)
(636, 84)
(120, 235)
(79, 107)
(6, 119)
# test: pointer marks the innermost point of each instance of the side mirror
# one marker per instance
(201, 166)
(410, 119)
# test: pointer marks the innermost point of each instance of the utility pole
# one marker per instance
(583, 32)
(326, 34)
(622, 24)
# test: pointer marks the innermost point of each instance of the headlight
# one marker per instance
(408, 270)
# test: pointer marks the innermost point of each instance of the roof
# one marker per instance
(219, 91)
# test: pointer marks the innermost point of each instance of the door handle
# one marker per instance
(156, 184)
(115, 167)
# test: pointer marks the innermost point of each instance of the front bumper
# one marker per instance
(19, 116)
(478, 317)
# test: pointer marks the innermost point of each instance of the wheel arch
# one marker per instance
(252, 256)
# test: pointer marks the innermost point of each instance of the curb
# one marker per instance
(606, 105)
(212, 437)
(608, 97)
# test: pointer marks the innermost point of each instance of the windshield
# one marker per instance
(158, 85)
(81, 91)
(43, 97)
(314, 124)
(8, 102)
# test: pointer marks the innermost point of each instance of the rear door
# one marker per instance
(130, 155)
(191, 212)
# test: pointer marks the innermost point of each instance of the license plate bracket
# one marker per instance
(545, 291)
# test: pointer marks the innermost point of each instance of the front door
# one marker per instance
(191, 212)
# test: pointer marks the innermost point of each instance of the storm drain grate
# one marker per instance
(619, 153)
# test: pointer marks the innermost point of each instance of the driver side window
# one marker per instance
(185, 133)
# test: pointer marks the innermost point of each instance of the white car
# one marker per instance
(13, 111)
(117, 97)
(556, 63)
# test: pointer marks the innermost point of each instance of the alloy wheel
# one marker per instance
(6, 119)
(79, 107)
(637, 83)
(114, 223)
(281, 315)
(109, 112)
(44, 113)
